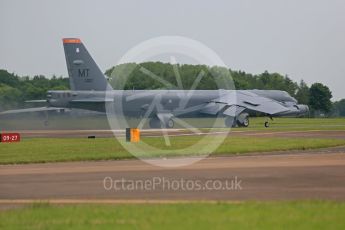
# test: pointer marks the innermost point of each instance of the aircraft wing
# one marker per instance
(236, 102)
(31, 110)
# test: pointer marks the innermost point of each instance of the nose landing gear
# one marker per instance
(267, 122)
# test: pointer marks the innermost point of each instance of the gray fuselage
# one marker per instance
(186, 103)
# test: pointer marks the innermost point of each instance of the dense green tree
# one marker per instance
(339, 108)
(8, 78)
(302, 94)
(14, 90)
(8, 97)
(135, 76)
(320, 98)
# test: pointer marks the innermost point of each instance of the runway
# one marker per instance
(317, 174)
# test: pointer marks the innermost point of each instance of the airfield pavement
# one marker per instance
(289, 175)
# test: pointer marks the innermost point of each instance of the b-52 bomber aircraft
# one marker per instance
(90, 90)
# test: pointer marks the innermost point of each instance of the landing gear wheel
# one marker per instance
(243, 120)
(267, 124)
(246, 122)
(157, 124)
(170, 124)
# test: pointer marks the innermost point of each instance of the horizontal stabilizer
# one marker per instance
(36, 101)
(31, 110)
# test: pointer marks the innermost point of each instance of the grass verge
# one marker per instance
(247, 215)
(77, 149)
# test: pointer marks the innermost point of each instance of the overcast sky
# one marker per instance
(304, 39)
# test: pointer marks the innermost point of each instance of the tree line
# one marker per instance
(14, 89)
(144, 76)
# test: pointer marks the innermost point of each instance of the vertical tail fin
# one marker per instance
(84, 74)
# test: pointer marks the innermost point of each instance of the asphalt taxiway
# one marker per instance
(316, 174)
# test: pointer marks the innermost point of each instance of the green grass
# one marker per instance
(77, 149)
(249, 215)
(74, 149)
(298, 124)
